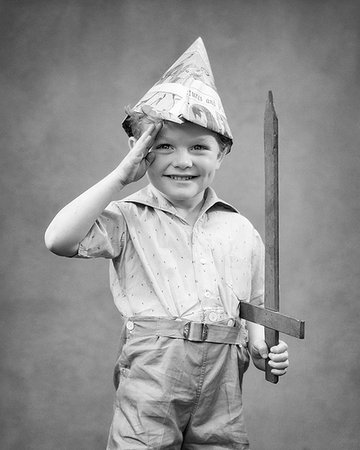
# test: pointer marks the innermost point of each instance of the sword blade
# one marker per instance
(271, 133)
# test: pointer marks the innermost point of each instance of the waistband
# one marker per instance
(187, 330)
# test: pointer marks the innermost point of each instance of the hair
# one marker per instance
(134, 121)
(224, 142)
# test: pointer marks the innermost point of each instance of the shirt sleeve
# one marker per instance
(106, 237)
(257, 271)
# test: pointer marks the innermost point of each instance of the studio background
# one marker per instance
(68, 68)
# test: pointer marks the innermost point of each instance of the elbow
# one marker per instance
(57, 246)
(51, 243)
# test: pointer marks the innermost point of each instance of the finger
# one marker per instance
(155, 131)
(146, 140)
(147, 132)
(151, 131)
(280, 348)
(261, 349)
(279, 364)
(279, 357)
(150, 158)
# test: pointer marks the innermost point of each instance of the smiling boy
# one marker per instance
(187, 158)
(180, 261)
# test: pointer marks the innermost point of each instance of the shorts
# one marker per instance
(177, 394)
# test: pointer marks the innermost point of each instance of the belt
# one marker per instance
(187, 330)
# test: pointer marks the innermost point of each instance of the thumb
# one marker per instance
(261, 348)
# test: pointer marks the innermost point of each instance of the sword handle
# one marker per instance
(271, 339)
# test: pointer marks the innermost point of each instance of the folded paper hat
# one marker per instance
(186, 92)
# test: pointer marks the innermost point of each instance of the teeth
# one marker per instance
(176, 178)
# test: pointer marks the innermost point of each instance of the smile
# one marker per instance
(180, 177)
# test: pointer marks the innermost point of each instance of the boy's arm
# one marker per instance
(72, 223)
(256, 336)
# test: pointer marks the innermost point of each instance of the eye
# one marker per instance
(163, 146)
(199, 147)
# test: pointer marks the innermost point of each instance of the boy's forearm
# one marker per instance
(256, 334)
(73, 222)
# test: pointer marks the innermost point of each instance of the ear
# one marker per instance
(131, 142)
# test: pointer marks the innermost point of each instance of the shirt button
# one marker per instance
(130, 325)
(213, 316)
(230, 322)
(203, 260)
(207, 294)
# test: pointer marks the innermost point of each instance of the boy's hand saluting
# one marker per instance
(135, 164)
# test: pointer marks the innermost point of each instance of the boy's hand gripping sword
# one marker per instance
(269, 317)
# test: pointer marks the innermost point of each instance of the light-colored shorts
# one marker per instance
(175, 393)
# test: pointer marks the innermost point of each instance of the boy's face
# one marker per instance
(187, 157)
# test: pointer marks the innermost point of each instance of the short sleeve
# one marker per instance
(257, 270)
(106, 237)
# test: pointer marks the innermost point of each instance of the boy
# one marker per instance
(181, 259)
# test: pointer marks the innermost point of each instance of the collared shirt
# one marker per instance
(164, 267)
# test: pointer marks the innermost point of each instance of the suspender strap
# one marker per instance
(190, 331)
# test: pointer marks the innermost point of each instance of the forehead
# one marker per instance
(187, 130)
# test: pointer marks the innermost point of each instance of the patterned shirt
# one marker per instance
(164, 267)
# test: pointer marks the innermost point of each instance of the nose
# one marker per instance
(182, 158)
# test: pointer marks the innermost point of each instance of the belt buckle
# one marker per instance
(203, 334)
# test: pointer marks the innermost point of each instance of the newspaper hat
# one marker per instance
(186, 92)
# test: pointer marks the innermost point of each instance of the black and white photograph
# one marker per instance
(180, 186)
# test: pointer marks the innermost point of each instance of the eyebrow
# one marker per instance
(198, 139)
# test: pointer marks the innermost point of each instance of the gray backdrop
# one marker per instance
(68, 68)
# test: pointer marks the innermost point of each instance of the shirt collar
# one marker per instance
(150, 196)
